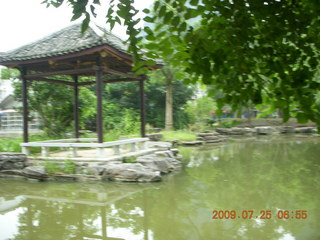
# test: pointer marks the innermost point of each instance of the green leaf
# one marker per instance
(112, 23)
(151, 62)
(85, 23)
(122, 13)
(151, 55)
(302, 118)
(142, 71)
(146, 11)
(161, 34)
(76, 16)
(150, 37)
(117, 19)
(92, 8)
(183, 27)
(152, 45)
(156, 5)
(148, 19)
(138, 65)
(57, 3)
(191, 13)
(194, 2)
(110, 12)
(176, 20)
(162, 11)
(148, 30)
(168, 17)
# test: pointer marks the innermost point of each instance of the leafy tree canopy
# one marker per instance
(8, 73)
(54, 104)
(255, 52)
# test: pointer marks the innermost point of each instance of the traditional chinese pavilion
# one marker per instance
(96, 53)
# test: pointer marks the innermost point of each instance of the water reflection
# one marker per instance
(254, 175)
(72, 211)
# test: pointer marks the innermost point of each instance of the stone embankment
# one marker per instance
(148, 168)
(12, 161)
(222, 134)
(265, 130)
(211, 137)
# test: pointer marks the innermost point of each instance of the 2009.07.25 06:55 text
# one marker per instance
(262, 214)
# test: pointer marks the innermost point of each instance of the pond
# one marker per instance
(257, 188)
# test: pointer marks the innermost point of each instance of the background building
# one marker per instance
(10, 117)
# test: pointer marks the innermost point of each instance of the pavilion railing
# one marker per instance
(74, 144)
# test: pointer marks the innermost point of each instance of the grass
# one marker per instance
(10, 144)
(181, 135)
(13, 144)
(228, 123)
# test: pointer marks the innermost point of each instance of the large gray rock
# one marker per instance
(305, 130)
(236, 131)
(174, 151)
(287, 129)
(214, 137)
(207, 134)
(242, 131)
(163, 161)
(155, 164)
(10, 161)
(155, 136)
(36, 172)
(164, 154)
(215, 141)
(265, 130)
(193, 143)
(160, 145)
(11, 172)
(75, 177)
(130, 172)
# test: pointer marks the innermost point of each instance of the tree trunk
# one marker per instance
(248, 115)
(169, 101)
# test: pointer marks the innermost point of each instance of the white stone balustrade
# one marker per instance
(74, 144)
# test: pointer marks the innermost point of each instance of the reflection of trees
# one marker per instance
(44, 219)
(260, 176)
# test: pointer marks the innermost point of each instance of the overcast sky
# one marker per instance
(25, 21)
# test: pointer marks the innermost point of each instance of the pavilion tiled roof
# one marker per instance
(66, 41)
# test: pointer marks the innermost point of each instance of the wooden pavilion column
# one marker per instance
(76, 106)
(23, 72)
(99, 92)
(142, 109)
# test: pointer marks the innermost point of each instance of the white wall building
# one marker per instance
(6, 89)
(10, 118)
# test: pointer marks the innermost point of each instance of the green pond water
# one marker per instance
(264, 188)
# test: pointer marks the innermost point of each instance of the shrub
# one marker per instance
(182, 135)
(52, 167)
(69, 166)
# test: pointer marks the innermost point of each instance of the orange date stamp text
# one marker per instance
(262, 214)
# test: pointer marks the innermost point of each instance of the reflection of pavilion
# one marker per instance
(99, 202)
(9, 205)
